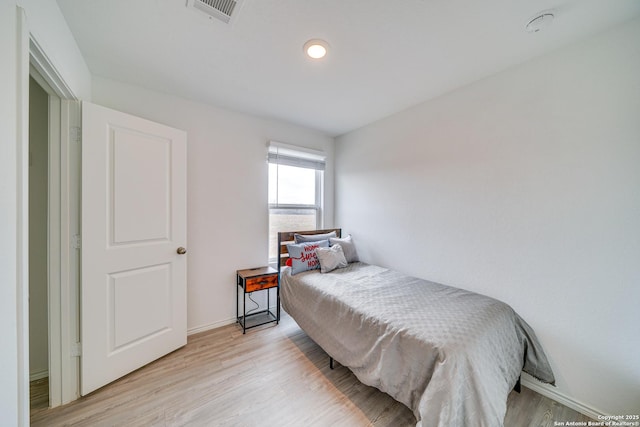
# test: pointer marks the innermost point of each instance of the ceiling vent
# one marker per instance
(224, 10)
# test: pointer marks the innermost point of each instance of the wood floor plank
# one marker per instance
(39, 394)
(273, 375)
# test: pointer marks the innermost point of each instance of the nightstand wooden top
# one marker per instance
(259, 271)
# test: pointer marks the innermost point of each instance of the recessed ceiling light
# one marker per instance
(540, 22)
(316, 48)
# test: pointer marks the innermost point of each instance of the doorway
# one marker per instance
(54, 198)
(38, 246)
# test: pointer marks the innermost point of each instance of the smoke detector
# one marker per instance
(224, 10)
(540, 22)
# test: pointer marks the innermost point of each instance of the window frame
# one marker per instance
(317, 206)
(304, 154)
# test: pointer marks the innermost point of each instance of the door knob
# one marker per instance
(181, 250)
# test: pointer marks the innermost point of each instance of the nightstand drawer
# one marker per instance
(257, 283)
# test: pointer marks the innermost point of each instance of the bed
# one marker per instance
(450, 355)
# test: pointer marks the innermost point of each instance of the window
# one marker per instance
(296, 177)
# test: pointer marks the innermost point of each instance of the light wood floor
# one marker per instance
(272, 376)
(39, 394)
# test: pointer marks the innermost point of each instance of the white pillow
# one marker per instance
(331, 258)
(348, 247)
(304, 238)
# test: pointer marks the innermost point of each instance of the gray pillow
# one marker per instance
(301, 238)
(331, 258)
(348, 247)
(303, 256)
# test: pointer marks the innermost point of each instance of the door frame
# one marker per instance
(63, 225)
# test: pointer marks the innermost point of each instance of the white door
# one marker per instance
(133, 291)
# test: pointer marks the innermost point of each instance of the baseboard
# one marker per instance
(218, 324)
(553, 394)
(38, 375)
(210, 326)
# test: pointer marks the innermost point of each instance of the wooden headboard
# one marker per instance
(286, 237)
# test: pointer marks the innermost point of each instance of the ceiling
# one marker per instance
(385, 55)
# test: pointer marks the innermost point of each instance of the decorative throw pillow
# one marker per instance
(331, 258)
(348, 247)
(303, 256)
(302, 238)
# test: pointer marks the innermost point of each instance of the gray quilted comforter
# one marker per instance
(450, 355)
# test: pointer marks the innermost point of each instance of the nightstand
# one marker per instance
(253, 280)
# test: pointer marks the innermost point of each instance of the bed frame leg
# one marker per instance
(516, 388)
(331, 363)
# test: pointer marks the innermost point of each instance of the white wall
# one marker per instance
(9, 388)
(524, 186)
(226, 189)
(38, 231)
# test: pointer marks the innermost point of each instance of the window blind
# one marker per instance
(290, 155)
